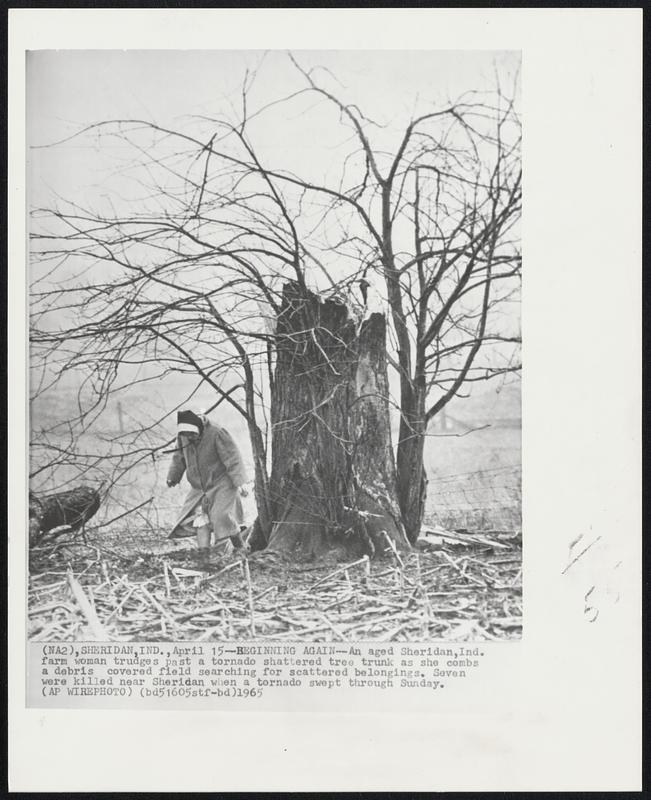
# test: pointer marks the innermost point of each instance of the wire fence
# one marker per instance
(139, 510)
(481, 500)
(137, 520)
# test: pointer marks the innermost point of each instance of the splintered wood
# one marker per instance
(469, 592)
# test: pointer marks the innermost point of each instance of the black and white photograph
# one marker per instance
(324, 400)
(274, 345)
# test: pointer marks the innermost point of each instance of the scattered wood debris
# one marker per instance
(455, 586)
(63, 511)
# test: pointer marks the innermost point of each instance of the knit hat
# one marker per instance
(188, 422)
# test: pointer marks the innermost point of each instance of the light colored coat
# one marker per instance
(214, 468)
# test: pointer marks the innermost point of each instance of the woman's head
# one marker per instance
(188, 424)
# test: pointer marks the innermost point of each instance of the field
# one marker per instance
(464, 591)
(475, 480)
(127, 582)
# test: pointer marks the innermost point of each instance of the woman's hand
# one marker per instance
(244, 492)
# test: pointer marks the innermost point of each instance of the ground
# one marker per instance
(457, 591)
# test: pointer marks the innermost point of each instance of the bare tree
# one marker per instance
(259, 281)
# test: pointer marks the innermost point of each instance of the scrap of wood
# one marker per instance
(165, 614)
(87, 609)
(334, 574)
(463, 538)
(334, 628)
(249, 591)
(49, 607)
(462, 592)
(228, 567)
(182, 572)
(265, 593)
(394, 549)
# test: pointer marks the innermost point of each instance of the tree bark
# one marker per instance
(333, 484)
(72, 509)
(412, 481)
(412, 478)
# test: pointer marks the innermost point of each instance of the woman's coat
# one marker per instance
(214, 468)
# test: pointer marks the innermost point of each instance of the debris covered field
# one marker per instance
(454, 586)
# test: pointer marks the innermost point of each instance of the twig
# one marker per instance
(339, 601)
(50, 607)
(467, 538)
(119, 516)
(247, 575)
(338, 572)
(205, 581)
(122, 602)
(394, 549)
(183, 617)
(87, 610)
(168, 588)
(163, 611)
(313, 629)
(390, 635)
(333, 628)
(266, 592)
(455, 564)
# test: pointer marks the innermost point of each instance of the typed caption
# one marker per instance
(142, 675)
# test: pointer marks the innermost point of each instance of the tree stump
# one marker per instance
(333, 482)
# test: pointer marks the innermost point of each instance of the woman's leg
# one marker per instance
(203, 537)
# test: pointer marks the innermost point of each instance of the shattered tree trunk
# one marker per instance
(333, 480)
(71, 509)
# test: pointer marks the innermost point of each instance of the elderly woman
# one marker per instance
(215, 471)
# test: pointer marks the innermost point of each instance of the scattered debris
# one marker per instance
(466, 590)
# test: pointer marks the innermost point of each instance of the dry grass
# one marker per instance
(463, 590)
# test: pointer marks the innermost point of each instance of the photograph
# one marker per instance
(274, 345)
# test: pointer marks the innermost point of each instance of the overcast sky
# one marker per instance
(70, 89)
